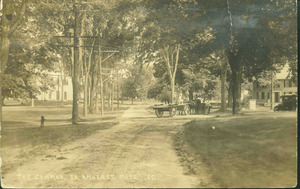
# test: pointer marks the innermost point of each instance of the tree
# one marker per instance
(171, 57)
(254, 35)
(24, 77)
(259, 43)
(168, 20)
(137, 88)
(12, 16)
(165, 95)
(129, 89)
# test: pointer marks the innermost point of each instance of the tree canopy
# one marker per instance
(189, 44)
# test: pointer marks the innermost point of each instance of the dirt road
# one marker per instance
(138, 152)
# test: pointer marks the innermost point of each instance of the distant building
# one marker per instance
(57, 92)
(282, 85)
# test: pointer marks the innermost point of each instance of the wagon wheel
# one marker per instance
(276, 109)
(187, 110)
(172, 111)
(159, 112)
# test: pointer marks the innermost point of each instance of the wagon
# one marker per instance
(172, 109)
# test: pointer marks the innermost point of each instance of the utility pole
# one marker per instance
(271, 90)
(75, 71)
(118, 100)
(112, 92)
(62, 84)
(101, 82)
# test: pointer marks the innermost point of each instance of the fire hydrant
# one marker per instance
(42, 121)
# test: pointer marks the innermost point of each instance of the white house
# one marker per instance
(62, 89)
(282, 85)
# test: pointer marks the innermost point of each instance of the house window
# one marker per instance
(268, 95)
(257, 95)
(257, 84)
(290, 83)
(262, 95)
(65, 95)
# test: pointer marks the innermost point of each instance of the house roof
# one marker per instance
(284, 73)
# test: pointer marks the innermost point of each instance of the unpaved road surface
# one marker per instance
(138, 152)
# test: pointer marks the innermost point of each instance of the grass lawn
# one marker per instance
(50, 135)
(247, 151)
(22, 138)
(21, 125)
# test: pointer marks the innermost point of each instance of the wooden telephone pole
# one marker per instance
(75, 71)
(101, 82)
(271, 97)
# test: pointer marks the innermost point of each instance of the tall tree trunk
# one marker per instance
(3, 61)
(85, 105)
(223, 83)
(1, 101)
(76, 67)
(89, 92)
(118, 95)
(101, 82)
(236, 91)
(108, 93)
(85, 81)
(62, 86)
(239, 90)
(97, 103)
(92, 96)
(5, 42)
(96, 88)
(171, 65)
(235, 69)
(112, 97)
(173, 98)
(75, 116)
(230, 95)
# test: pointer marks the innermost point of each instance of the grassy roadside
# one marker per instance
(23, 140)
(20, 146)
(245, 152)
(50, 135)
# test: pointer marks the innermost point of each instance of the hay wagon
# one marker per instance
(172, 109)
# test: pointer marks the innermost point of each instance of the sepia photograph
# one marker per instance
(148, 93)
